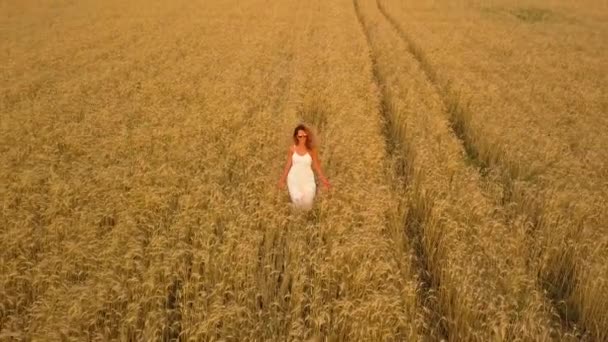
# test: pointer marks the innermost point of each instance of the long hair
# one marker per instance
(310, 141)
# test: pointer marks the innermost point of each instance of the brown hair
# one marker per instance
(310, 141)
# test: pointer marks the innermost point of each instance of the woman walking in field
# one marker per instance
(302, 159)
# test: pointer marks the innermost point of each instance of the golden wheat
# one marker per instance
(140, 145)
(458, 228)
(526, 116)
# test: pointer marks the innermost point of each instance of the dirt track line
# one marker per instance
(459, 116)
(415, 218)
(457, 112)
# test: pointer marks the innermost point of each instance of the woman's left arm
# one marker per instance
(317, 167)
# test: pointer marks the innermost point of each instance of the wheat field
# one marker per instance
(141, 144)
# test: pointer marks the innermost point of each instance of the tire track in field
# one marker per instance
(457, 112)
(459, 117)
(415, 216)
(558, 285)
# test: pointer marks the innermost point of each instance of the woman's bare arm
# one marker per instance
(316, 165)
(287, 166)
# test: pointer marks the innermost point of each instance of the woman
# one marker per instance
(301, 161)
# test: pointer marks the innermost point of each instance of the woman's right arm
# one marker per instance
(287, 167)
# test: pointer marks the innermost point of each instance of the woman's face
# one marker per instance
(302, 136)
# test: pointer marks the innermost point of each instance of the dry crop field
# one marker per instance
(141, 143)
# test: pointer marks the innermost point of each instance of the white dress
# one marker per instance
(301, 180)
